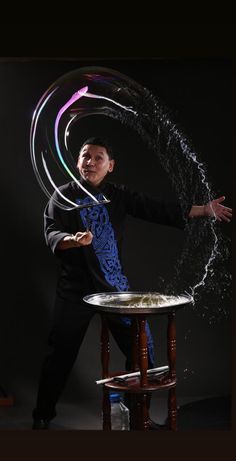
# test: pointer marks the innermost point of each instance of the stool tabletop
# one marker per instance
(137, 302)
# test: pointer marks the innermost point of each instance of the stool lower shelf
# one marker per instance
(133, 385)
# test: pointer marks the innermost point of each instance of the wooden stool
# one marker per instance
(139, 387)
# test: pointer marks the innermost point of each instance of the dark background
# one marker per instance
(198, 91)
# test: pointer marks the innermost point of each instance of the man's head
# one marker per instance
(95, 160)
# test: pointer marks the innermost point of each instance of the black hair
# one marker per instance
(96, 141)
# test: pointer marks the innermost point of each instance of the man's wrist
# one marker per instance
(205, 210)
(73, 241)
(70, 240)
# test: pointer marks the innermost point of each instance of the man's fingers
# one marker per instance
(79, 236)
(220, 199)
(225, 218)
(86, 236)
(228, 209)
(221, 212)
(227, 213)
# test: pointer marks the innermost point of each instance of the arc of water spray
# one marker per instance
(214, 251)
(84, 92)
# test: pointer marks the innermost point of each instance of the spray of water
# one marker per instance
(106, 92)
(205, 245)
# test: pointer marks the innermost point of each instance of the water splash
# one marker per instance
(117, 96)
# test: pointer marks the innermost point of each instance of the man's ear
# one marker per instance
(111, 165)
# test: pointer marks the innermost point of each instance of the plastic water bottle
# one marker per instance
(119, 413)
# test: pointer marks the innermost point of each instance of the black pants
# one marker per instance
(70, 323)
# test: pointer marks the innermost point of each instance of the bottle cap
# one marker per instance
(114, 397)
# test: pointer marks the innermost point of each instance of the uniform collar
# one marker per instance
(92, 189)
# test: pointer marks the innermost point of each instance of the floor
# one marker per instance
(212, 413)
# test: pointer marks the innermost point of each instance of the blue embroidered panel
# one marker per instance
(96, 218)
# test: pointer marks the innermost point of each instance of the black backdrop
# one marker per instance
(198, 91)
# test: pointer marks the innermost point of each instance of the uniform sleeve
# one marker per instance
(151, 209)
(55, 224)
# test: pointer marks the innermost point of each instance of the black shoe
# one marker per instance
(152, 426)
(39, 424)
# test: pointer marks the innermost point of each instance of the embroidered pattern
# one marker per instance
(96, 218)
(104, 243)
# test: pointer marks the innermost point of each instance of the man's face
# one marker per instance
(94, 163)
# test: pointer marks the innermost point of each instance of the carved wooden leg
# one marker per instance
(171, 350)
(172, 409)
(135, 344)
(138, 412)
(105, 350)
(141, 421)
(145, 413)
(105, 347)
(143, 366)
(143, 352)
(135, 367)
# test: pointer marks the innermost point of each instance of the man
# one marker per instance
(88, 243)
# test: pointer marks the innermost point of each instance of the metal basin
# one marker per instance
(137, 302)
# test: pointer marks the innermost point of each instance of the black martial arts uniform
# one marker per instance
(90, 269)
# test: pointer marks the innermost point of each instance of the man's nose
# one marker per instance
(90, 161)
